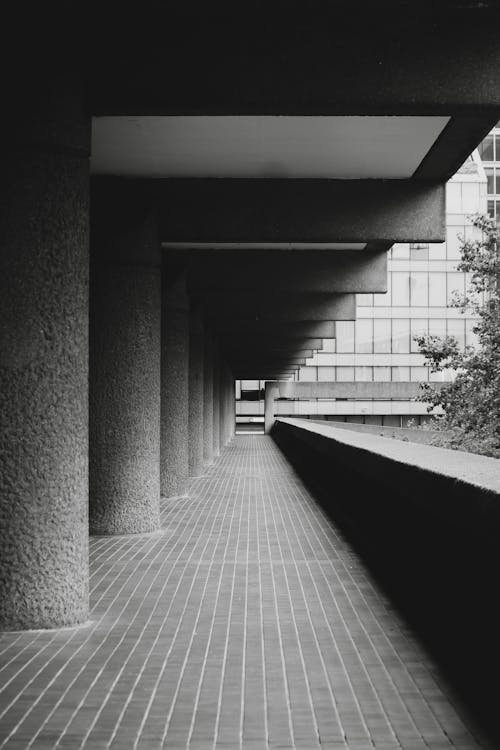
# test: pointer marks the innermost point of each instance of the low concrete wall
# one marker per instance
(427, 520)
(406, 434)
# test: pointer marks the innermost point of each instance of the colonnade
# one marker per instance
(113, 390)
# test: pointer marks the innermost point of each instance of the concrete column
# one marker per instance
(216, 400)
(195, 412)
(44, 220)
(125, 316)
(208, 398)
(174, 462)
(270, 395)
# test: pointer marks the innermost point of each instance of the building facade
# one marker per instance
(380, 346)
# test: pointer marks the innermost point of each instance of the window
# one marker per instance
(453, 242)
(381, 335)
(345, 335)
(400, 374)
(437, 289)
(345, 374)
(456, 328)
(437, 328)
(382, 374)
(418, 328)
(456, 283)
(363, 374)
(400, 336)
(364, 300)
(471, 338)
(486, 149)
(400, 251)
(419, 296)
(490, 176)
(364, 336)
(419, 251)
(419, 374)
(400, 289)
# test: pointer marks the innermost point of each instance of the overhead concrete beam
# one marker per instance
(276, 344)
(302, 210)
(275, 306)
(359, 271)
(301, 329)
(277, 62)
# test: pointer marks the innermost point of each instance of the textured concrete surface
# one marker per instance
(196, 390)
(208, 396)
(44, 383)
(125, 318)
(249, 623)
(467, 468)
(174, 460)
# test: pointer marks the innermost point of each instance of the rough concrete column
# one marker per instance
(195, 412)
(216, 401)
(208, 398)
(125, 316)
(270, 395)
(174, 462)
(44, 219)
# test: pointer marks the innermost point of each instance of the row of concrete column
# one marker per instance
(113, 390)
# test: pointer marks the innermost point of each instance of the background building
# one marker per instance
(379, 345)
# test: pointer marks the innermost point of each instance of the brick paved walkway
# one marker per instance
(247, 623)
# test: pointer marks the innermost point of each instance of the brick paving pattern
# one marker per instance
(248, 622)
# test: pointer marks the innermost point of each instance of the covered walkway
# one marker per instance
(247, 622)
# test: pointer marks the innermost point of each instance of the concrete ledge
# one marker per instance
(470, 483)
(427, 522)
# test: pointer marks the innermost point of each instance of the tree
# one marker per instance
(471, 402)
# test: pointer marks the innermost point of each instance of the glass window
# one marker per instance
(326, 374)
(418, 328)
(456, 328)
(400, 336)
(419, 252)
(344, 330)
(486, 149)
(456, 283)
(364, 300)
(497, 181)
(400, 374)
(437, 251)
(490, 177)
(437, 328)
(453, 242)
(491, 209)
(497, 147)
(364, 336)
(470, 337)
(345, 374)
(419, 374)
(363, 373)
(400, 289)
(437, 290)
(381, 335)
(382, 374)
(400, 251)
(419, 296)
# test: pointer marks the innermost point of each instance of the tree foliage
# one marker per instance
(470, 403)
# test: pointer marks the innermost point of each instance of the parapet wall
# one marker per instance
(427, 521)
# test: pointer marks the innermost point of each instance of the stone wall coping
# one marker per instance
(467, 468)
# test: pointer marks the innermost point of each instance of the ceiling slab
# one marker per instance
(263, 146)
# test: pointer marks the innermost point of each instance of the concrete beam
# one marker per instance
(305, 390)
(303, 329)
(302, 210)
(276, 63)
(274, 306)
(325, 271)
